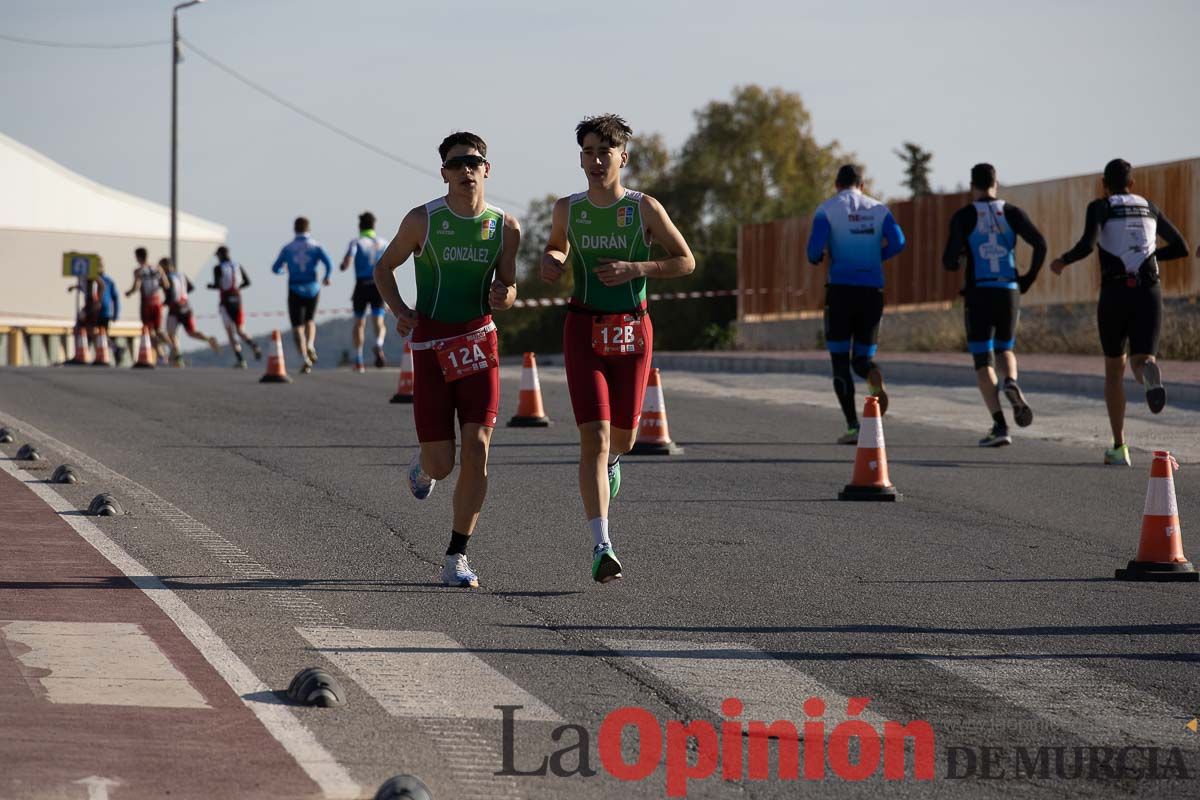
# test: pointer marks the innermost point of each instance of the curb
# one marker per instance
(1182, 394)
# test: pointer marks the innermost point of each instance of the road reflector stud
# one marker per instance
(28, 453)
(313, 686)
(403, 787)
(64, 473)
(104, 505)
(6, 436)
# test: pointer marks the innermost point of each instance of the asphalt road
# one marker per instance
(983, 603)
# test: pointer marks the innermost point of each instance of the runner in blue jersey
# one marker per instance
(363, 252)
(985, 233)
(858, 233)
(300, 258)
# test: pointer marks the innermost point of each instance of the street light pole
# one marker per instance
(175, 59)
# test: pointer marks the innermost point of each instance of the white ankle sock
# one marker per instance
(599, 529)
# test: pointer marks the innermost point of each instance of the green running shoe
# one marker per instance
(614, 479)
(1118, 456)
(849, 437)
(605, 566)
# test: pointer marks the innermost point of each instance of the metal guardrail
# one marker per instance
(44, 342)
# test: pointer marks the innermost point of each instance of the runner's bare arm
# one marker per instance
(662, 230)
(137, 282)
(346, 258)
(558, 246)
(504, 286)
(407, 241)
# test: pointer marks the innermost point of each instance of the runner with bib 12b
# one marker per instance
(605, 236)
(465, 255)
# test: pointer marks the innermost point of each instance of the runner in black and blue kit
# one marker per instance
(1127, 227)
(986, 232)
(860, 234)
(300, 258)
(363, 252)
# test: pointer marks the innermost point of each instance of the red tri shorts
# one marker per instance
(474, 399)
(232, 313)
(604, 387)
(183, 317)
(152, 315)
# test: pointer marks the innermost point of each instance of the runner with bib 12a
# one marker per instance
(465, 255)
(606, 234)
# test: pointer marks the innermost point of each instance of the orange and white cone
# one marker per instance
(654, 438)
(276, 370)
(1160, 552)
(404, 390)
(870, 480)
(146, 353)
(102, 358)
(530, 412)
(82, 357)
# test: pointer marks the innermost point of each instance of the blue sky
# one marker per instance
(1040, 89)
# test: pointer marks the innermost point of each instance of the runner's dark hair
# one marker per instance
(464, 138)
(613, 130)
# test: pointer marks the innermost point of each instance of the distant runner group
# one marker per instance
(611, 239)
(856, 234)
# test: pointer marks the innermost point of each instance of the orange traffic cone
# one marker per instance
(654, 439)
(102, 359)
(1160, 552)
(530, 413)
(82, 357)
(404, 391)
(276, 371)
(146, 354)
(870, 481)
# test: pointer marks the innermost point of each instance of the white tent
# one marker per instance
(47, 210)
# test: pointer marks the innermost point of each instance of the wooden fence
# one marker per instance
(777, 282)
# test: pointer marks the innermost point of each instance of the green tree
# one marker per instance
(916, 168)
(752, 158)
(535, 329)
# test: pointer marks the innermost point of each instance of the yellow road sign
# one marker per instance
(75, 265)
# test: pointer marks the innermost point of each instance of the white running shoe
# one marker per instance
(457, 572)
(420, 483)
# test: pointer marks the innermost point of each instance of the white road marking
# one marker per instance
(99, 663)
(708, 673)
(97, 787)
(1083, 701)
(424, 674)
(279, 721)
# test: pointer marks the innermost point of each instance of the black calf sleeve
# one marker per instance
(863, 366)
(843, 387)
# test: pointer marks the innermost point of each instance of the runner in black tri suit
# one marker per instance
(1127, 227)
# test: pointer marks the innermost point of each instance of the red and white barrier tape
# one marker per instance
(543, 302)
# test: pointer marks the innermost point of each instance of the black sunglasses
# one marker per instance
(469, 162)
